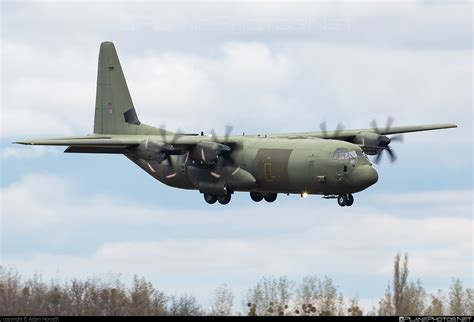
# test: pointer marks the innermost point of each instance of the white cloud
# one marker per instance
(243, 82)
(25, 204)
(329, 239)
(33, 152)
(429, 198)
(254, 80)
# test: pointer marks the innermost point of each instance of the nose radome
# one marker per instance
(364, 176)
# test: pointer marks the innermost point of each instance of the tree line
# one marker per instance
(270, 296)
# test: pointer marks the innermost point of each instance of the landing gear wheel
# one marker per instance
(210, 199)
(270, 197)
(256, 196)
(224, 199)
(342, 200)
(350, 200)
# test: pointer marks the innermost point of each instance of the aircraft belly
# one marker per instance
(161, 173)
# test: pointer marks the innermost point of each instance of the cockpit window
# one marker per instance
(344, 154)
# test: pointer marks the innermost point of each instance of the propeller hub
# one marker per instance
(223, 148)
(384, 140)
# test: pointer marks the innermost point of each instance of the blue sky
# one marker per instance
(264, 67)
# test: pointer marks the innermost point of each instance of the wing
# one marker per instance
(108, 144)
(348, 135)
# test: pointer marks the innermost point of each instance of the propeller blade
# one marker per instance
(399, 138)
(170, 163)
(393, 156)
(339, 129)
(176, 136)
(150, 167)
(323, 128)
(163, 132)
(213, 135)
(390, 120)
(186, 158)
(378, 157)
(235, 171)
(228, 130)
(171, 175)
(373, 124)
(216, 172)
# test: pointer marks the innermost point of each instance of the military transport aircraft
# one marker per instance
(333, 164)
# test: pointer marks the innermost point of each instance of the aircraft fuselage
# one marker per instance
(269, 165)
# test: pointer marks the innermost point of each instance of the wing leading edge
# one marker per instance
(348, 134)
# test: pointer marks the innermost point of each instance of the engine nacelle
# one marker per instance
(371, 142)
(208, 151)
(147, 150)
(153, 150)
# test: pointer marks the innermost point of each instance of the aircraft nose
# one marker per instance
(364, 176)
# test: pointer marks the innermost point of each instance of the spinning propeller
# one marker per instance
(167, 149)
(384, 141)
(338, 130)
(162, 151)
(224, 153)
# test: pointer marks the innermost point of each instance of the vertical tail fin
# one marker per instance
(114, 110)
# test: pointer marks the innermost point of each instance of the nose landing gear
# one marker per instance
(345, 200)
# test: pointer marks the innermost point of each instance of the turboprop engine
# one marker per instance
(155, 151)
(208, 151)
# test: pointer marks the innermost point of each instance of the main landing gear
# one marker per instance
(223, 199)
(345, 200)
(259, 196)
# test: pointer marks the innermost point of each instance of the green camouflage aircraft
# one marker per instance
(333, 164)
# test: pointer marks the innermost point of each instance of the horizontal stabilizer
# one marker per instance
(85, 141)
(88, 149)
